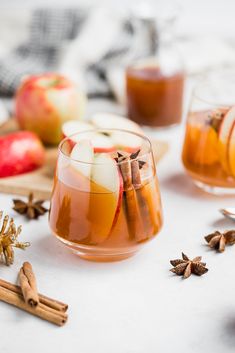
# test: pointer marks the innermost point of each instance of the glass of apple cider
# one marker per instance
(209, 145)
(105, 203)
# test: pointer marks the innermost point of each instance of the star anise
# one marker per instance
(218, 240)
(31, 209)
(9, 239)
(123, 156)
(185, 267)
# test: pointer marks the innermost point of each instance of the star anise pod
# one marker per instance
(9, 239)
(122, 157)
(218, 240)
(185, 267)
(31, 209)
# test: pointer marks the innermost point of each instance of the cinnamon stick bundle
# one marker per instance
(27, 298)
(143, 203)
(41, 310)
(51, 303)
(140, 222)
(134, 220)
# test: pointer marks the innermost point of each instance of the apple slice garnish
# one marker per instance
(106, 174)
(112, 121)
(231, 150)
(224, 135)
(82, 157)
(99, 141)
(74, 126)
(102, 143)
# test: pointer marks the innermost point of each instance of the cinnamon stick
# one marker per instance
(131, 204)
(142, 198)
(49, 302)
(28, 284)
(125, 168)
(42, 311)
(135, 174)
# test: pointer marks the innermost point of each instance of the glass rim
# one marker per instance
(143, 137)
(207, 82)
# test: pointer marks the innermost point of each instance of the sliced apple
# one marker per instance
(112, 121)
(231, 151)
(106, 174)
(82, 156)
(99, 141)
(132, 144)
(224, 135)
(102, 143)
(74, 126)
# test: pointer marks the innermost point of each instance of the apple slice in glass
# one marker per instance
(224, 135)
(231, 150)
(99, 141)
(82, 157)
(112, 121)
(106, 177)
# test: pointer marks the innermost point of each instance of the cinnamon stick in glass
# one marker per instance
(135, 225)
(28, 284)
(142, 199)
(41, 310)
(52, 303)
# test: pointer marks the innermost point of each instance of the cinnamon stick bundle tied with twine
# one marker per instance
(27, 298)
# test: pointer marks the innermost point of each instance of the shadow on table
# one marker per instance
(229, 331)
(223, 223)
(57, 254)
(55, 251)
(181, 183)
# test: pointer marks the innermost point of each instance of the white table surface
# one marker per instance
(136, 305)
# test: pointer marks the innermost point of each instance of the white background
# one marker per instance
(197, 16)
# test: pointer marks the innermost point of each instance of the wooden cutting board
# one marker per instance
(41, 180)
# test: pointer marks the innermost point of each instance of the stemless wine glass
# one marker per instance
(209, 145)
(105, 202)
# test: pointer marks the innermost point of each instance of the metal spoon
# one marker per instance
(228, 212)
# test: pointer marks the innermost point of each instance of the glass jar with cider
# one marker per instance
(155, 83)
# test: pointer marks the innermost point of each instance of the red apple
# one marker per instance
(99, 141)
(44, 102)
(20, 152)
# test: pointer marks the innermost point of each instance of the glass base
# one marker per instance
(215, 190)
(98, 254)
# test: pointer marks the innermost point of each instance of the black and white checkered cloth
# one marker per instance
(49, 31)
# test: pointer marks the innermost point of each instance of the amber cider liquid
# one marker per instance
(154, 99)
(84, 214)
(202, 155)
